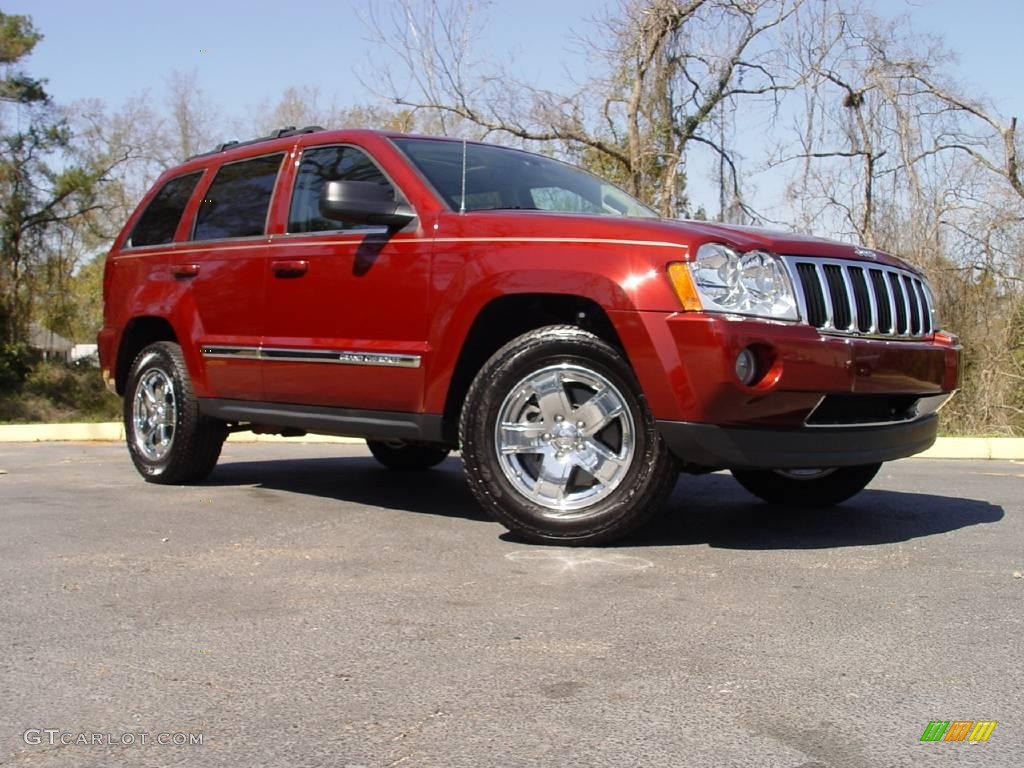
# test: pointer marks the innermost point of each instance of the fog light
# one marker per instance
(746, 367)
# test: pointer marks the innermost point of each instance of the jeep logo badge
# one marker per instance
(864, 253)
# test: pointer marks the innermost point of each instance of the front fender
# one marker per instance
(464, 283)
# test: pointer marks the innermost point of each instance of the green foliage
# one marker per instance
(17, 39)
(15, 364)
(84, 298)
(48, 193)
(56, 392)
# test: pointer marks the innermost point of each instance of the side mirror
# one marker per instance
(364, 202)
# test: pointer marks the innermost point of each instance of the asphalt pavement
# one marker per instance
(306, 607)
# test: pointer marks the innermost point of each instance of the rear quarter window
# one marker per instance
(159, 221)
(238, 199)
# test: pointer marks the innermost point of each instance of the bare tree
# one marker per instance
(889, 152)
(662, 67)
(191, 118)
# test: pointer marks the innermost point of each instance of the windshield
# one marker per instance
(499, 178)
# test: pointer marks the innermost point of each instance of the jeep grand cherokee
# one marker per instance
(429, 294)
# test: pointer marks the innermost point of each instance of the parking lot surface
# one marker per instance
(305, 607)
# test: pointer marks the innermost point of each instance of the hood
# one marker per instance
(745, 238)
(688, 233)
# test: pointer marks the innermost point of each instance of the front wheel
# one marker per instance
(806, 487)
(169, 440)
(558, 443)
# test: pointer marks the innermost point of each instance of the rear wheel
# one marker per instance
(806, 487)
(558, 443)
(398, 454)
(169, 440)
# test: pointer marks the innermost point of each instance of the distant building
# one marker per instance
(85, 353)
(51, 345)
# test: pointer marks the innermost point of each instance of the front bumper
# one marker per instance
(685, 362)
(710, 445)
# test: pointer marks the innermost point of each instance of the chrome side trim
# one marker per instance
(231, 353)
(290, 355)
(341, 357)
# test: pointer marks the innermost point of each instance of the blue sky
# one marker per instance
(248, 53)
(256, 49)
(111, 50)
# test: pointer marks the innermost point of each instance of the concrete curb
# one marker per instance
(113, 432)
(1002, 448)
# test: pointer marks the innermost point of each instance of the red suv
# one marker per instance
(429, 294)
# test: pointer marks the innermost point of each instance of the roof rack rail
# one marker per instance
(280, 133)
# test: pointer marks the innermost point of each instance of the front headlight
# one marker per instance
(753, 283)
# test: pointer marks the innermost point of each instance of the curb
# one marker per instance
(1001, 448)
(113, 432)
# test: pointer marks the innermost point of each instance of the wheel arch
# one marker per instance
(138, 334)
(510, 315)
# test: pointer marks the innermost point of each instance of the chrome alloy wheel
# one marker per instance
(804, 474)
(154, 414)
(565, 439)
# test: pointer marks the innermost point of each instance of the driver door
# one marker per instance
(345, 320)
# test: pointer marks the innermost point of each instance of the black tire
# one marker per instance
(631, 500)
(837, 486)
(406, 457)
(195, 441)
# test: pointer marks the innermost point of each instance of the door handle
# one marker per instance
(289, 268)
(185, 270)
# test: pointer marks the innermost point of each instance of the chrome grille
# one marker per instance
(860, 299)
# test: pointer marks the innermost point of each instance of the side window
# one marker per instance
(158, 222)
(320, 165)
(558, 199)
(237, 201)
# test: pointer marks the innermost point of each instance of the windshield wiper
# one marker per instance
(506, 208)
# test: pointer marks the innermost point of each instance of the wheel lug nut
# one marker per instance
(546, 436)
(580, 424)
(559, 417)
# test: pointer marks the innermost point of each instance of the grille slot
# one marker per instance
(882, 300)
(841, 317)
(915, 310)
(926, 314)
(862, 300)
(848, 297)
(900, 301)
(813, 295)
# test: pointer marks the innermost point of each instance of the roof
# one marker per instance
(292, 132)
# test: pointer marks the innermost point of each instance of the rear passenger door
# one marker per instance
(225, 266)
(346, 305)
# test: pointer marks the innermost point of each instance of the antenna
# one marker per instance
(462, 202)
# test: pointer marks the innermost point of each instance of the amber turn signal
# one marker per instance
(682, 282)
